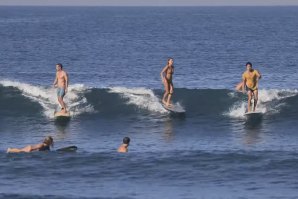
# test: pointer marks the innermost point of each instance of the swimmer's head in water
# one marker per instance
(49, 141)
(126, 140)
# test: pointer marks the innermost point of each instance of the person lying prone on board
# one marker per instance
(124, 146)
(44, 146)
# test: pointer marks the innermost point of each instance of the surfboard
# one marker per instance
(253, 114)
(68, 149)
(61, 115)
(173, 108)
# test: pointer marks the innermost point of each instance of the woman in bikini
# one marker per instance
(167, 79)
(44, 146)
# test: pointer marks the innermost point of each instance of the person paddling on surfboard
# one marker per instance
(61, 83)
(44, 146)
(250, 80)
(167, 79)
(124, 146)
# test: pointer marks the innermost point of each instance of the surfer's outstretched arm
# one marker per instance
(243, 85)
(259, 74)
(239, 86)
(162, 73)
(66, 82)
(55, 81)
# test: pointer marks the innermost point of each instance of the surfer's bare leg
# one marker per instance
(255, 93)
(169, 100)
(249, 94)
(167, 91)
(164, 97)
(15, 150)
(61, 102)
(170, 95)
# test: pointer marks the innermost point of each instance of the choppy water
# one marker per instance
(114, 57)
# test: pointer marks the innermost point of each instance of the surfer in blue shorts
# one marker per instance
(44, 146)
(61, 83)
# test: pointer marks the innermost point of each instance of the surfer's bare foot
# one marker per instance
(164, 102)
(169, 105)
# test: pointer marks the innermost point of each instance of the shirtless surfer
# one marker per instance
(124, 146)
(167, 79)
(250, 80)
(61, 83)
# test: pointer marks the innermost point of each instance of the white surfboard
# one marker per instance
(173, 108)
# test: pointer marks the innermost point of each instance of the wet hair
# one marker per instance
(126, 140)
(49, 141)
(248, 63)
(170, 58)
(59, 65)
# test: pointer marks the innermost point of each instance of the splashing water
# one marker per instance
(264, 105)
(46, 97)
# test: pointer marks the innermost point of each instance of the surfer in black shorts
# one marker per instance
(44, 146)
(250, 82)
(167, 79)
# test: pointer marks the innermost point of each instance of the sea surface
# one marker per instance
(114, 56)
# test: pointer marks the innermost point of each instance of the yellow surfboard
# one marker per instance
(61, 114)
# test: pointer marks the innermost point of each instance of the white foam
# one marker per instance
(47, 97)
(265, 96)
(142, 97)
(179, 107)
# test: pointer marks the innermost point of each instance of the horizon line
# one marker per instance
(232, 5)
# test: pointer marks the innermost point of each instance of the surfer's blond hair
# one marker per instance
(48, 141)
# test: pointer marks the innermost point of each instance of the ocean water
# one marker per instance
(114, 56)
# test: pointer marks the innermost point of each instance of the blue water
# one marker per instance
(114, 56)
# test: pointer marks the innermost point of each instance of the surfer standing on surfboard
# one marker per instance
(250, 80)
(167, 79)
(61, 83)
